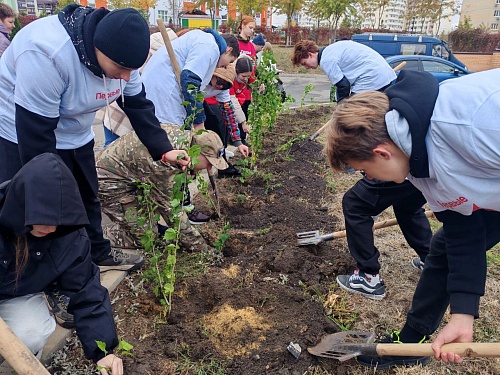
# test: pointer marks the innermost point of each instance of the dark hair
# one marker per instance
(244, 64)
(22, 256)
(232, 42)
(301, 50)
(6, 12)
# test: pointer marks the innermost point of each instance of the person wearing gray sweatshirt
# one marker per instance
(445, 139)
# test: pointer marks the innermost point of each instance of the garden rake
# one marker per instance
(313, 237)
(349, 344)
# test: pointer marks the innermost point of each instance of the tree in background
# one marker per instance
(289, 8)
(466, 25)
(61, 4)
(250, 7)
(142, 6)
(212, 6)
(17, 27)
(332, 11)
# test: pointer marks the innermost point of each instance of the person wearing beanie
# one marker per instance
(115, 121)
(223, 115)
(57, 72)
(259, 42)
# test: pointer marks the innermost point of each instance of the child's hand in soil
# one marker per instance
(112, 363)
(243, 150)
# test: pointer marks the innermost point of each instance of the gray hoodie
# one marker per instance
(4, 38)
(463, 145)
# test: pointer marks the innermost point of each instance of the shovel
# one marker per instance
(17, 354)
(350, 344)
(313, 237)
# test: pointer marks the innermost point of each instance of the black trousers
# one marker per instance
(81, 162)
(431, 297)
(369, 198)
(244, 108)
(215, 122)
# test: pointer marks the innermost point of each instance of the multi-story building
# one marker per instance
(482, 13)
(36, 7)
(395, 17)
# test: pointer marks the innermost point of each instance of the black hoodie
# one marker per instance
(414, 95)
(44, 192)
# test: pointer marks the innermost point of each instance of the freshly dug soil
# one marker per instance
(237, 315)
(245, 313)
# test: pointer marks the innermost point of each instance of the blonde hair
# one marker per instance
(267, 47)
(357, 127)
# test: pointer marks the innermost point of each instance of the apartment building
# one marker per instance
(482, 13)
(393, 17)
(36, 7)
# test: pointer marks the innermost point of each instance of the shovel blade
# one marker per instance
(308, 238)
(342, 345)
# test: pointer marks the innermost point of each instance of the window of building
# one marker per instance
(494, 26)
(496, 13)
(163, 15)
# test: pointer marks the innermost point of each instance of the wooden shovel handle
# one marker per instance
(465, 349)
(320, 130)
(379, 225)
(170, 50)
(398, 67)
(17, 354)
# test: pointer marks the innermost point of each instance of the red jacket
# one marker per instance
(239, 90)
(247, 48)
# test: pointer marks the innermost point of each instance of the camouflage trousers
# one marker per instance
(126, 233)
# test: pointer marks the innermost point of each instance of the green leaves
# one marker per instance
(266, 103)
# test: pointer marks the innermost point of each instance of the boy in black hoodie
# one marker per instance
(446, 140)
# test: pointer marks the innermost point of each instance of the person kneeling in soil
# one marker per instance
(126, 161)
(366, 199)
(445, 139)
(43, 241)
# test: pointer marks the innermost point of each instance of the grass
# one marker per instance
(283, 57)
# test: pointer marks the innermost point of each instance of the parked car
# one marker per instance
(440, 68)
(395, 44)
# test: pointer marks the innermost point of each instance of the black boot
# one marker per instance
(230, 172)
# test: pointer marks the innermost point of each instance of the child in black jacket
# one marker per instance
(42, 241)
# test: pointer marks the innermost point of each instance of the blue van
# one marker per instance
(399, 44)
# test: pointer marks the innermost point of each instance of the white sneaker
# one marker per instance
(229, 154)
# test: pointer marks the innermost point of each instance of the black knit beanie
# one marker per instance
(123, 36)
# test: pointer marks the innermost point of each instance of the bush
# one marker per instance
(476, 40)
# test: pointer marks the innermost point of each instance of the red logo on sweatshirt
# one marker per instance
(452, 204)
(102, 95)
